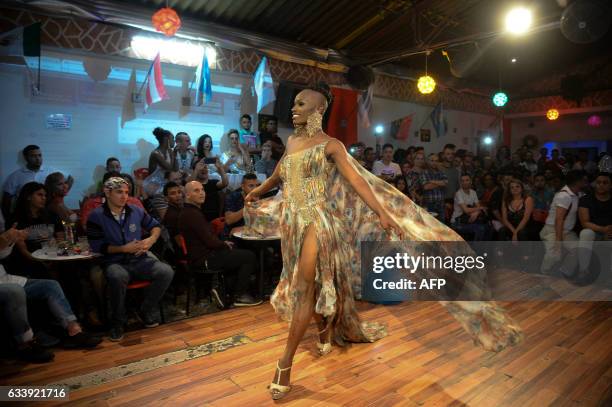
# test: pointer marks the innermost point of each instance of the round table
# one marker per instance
(41, 254)
(261, 243)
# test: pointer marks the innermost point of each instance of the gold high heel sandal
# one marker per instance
(278, 391)
(324, 348)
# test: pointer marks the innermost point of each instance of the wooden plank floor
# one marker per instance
(566, 360)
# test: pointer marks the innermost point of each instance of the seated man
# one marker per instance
(468, 215)
(206, 250)
(16, 291)
(234, 203)
(174, 196)
(266, 164)
(595, 214)
(115, 230)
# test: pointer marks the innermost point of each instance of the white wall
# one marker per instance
(566, 130)
(96, 110)
(463, 127)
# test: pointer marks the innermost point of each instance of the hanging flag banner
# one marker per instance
(264, 86)
(400, 128)
(438, 120)
(203, 83)
(155, 89)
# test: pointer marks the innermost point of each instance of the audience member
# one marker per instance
(386, 168)
(57, 189)
(113, 165)
(17, 291)
(369, 156)
(212, 206)
(270, 131)
(184, 153)
(595, 213)
(516, 213)
(115, 230)
(584, 164)
(92, 203)
(205, 250)
(266, 164)
(34, 171)
(450, 171)
(561, 219)
(235, 159)
(247, 137)
(174, 195)
(161, 160)
(234, 203)
(158, 204)
(432, 183)
(468, 216)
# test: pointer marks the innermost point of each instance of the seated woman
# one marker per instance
(40, 225)
(57, 189)
(16, 291)
(236, 157)
(516, 213)
(400, 183)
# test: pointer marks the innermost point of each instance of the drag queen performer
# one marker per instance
(329, 204)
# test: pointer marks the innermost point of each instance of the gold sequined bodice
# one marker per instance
(304, 175)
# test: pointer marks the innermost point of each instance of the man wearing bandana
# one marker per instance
(115, 230)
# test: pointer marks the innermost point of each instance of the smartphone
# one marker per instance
(211, 160)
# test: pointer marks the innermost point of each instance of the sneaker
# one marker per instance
(81, 340)
(34, 353)
(148, 320)
(245, 300)
(216, 297)
(116, 333)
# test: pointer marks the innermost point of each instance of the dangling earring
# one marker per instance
(314, 124)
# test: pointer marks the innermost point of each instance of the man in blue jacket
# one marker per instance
(115, 231)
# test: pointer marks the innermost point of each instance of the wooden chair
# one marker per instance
(192, 272)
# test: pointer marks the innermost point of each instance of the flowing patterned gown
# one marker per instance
(316, 195)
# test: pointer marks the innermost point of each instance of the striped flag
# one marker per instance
(264, 86)
(438, 119)
(203, 84)
(156, 91)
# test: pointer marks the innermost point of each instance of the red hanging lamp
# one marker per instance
(166, 20)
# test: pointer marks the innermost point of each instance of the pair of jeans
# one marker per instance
(13, 303)
(119, 275)
(238, 264)
(481, 231)
(437, 207)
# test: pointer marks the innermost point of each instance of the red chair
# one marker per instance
(136, 284)
(191, 271)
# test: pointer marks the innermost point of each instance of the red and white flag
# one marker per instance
(155, 84)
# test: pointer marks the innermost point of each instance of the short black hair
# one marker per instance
(111, 159)
(169, 185)
(29, 148)
(246, 116)
(368, 149)
(572, 177)
(449, 146)
(387, 146)
(111, 174)
(603, 174)
(249, 176)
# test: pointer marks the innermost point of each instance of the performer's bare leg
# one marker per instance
(304, 304)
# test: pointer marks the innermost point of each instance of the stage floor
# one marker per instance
(228, 358)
